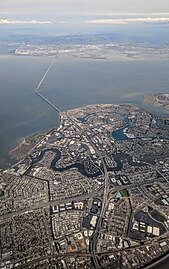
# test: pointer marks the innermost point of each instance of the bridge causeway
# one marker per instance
(39, 85)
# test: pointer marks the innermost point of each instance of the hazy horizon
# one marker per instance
(76, 7)
(66, 12)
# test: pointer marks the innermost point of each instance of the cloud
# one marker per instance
(129, 20)
(9, 21)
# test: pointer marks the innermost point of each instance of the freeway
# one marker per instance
(93, 241)
(39, 85)
(47, 101)
(76, 198)
(46, 205)
(131, 186)
(83, 197)
(83, 254)
(44, 99)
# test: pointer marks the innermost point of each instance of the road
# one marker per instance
(87, 254)
(46, 205)
(93, 241)
(76, 198)
(40, 83)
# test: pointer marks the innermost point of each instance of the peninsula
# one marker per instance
(93, 193)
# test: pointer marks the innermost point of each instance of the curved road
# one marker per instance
(93, 242)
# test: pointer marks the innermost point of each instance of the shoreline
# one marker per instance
(23, 139)
(17, 159)
(14, 153)
(157, 261)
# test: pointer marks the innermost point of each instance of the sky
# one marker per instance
(79, 7)
(83, 12)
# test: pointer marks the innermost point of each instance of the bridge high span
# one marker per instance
(39, 85)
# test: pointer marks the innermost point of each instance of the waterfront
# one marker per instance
(51, 92)
(70, 83)
(22, 112)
